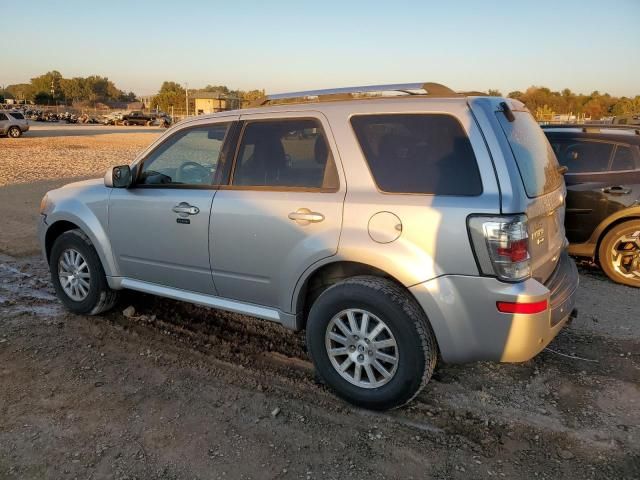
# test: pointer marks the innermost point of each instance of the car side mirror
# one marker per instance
(118, 177)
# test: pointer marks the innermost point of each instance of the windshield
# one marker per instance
(535, 158)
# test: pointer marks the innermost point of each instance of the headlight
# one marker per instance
(44, 203)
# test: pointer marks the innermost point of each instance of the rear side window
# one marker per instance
(418, 153)
(285, 153)
(535, 159)
(583, 156)
(17, 116)
(625, 158)
(3, 117)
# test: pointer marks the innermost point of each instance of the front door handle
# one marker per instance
(304, 216)
(183, 208)
(617, 190)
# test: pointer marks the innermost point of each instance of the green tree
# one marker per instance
(494, 93)
(171, 94)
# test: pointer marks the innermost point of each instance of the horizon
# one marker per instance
(292, 48)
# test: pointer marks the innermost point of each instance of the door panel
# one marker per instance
(257, 251)
(282, 211)
(153, 243)
(159, 228)
(592, 197)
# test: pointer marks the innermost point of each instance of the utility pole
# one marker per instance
(186, 93)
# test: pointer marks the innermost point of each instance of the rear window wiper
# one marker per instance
(507, 112)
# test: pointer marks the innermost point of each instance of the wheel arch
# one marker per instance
(91, 227)
(605, 228)
(317, 279)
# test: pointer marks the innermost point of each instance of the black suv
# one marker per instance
(603, 195)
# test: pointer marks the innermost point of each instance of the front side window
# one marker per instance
(189, 157)
(418, 153)
(285, 153)
(17, 116)
(583, 156)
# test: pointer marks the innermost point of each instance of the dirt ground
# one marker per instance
(176, 391)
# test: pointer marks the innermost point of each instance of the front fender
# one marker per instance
(90, 214)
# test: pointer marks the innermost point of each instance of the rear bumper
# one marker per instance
(468, 326)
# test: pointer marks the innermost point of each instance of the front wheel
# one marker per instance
(619, 253)
(371, 342)
(14, 132)
(77, 275)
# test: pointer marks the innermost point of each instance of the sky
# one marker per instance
(284, 46)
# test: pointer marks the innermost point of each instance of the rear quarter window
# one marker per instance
(418, 153)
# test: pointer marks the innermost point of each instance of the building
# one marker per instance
(209, 102)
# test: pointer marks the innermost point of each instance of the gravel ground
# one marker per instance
(173, 391)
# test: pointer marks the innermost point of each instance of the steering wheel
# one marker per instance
(196, 171)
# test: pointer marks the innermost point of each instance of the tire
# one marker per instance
(149, 123)
(125, 123)
(622, 268)
(416, 350)
(99, 297)
(14, 132)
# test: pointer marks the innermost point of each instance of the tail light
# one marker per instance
(501, 245)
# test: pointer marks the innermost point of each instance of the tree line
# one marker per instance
(52, 88)
(543, 101)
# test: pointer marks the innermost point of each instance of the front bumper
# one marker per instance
(468, 326)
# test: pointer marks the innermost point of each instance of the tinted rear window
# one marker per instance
(418, 153)
(17, 116)
(536, 161)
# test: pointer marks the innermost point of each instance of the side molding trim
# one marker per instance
(212, 301)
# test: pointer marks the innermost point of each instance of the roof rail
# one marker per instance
(594, 127)
(346, 93)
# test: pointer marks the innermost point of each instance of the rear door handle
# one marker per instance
(304, 216)
(617, 190)
(183, 208)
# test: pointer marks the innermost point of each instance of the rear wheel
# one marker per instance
(77, 275)
(14, 132)
(619, 253)
(371, 342)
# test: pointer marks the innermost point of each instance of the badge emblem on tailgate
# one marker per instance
(538, 234)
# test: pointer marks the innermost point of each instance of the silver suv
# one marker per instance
(397, 224)
(13, 124)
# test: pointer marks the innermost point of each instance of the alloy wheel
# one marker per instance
(625, 255)
(74, 275)
(362, 348)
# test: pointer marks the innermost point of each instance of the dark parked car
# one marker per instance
(603, 195)
(138, 118)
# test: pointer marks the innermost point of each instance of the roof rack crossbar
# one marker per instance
(432, 89)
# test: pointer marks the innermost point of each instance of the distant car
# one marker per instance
(13, 124)
(112, 119)
(603, 195)
(138, 118)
